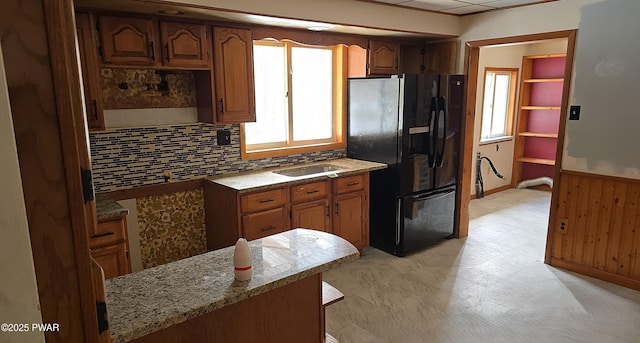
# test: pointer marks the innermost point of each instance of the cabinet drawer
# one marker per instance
(349, 183)
(108, 232)
(309, 191)
(265, 223)
(112, 259)
(263, 200)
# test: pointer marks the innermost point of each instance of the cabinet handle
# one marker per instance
(264, 201)
(313, 191)
(166, 49)
(221, 106)
(103, 234)
(95, 109)
(352, 184)
(153, 52)
(337, 209)
(268, 228)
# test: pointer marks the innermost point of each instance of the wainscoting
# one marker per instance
(595, 231)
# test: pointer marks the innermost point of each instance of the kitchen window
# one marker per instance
(299, 96)
(498, 104)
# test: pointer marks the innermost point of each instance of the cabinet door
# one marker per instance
(184, 44)
(312, 215)
(383, 58)
(233, 69)
(349, 218)
(129, 41)
(113, 260)
(265, 223)
(90, 72)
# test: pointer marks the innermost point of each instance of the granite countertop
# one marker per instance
(156, 298)
(107, 208)
(266, 178)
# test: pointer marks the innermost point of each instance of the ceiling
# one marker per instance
(459, 7)
(455, 7)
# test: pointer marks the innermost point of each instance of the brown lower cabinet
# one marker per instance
(339, 206)
(110, 248)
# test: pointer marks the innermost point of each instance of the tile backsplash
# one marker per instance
(132, 157)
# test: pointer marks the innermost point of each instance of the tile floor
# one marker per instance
(490, 287)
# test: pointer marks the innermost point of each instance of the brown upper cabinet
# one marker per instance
(383, 58)
(184, 44)
(233, 74)
(128, 41)
(90, 73)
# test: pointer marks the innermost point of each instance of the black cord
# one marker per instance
(479, 182)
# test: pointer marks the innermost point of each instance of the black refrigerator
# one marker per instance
(411, 123)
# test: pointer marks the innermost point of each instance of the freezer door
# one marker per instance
(373, 124)
(425, 220)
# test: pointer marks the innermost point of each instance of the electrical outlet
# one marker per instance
(562, 225)
(224, 137)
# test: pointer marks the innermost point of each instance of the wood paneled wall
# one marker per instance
(595, 231)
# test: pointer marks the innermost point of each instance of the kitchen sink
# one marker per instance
(308, 170)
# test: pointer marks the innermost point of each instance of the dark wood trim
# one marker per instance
(521, 39)
(309, 37)
(595, 273)
(471, 65)
(159, 189)
(601, 176)
(472, 56)
(61, 31)
(555, 192)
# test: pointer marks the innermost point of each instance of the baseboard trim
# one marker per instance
(596, 273)
(494, 190)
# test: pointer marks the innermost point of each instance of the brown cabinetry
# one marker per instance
(128, 41)
(233, 75)
(109, 247)
(338, 206)
(133, 41)
(89, 69)
(184, 44)
(383, 58)
(311, 207)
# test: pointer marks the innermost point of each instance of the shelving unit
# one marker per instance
(330, 295)
(538, 116)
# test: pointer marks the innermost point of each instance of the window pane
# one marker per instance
(500, 106)
(271, 100)
(487, 107)
(311, 79)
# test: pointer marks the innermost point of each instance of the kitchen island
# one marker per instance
(198, 300)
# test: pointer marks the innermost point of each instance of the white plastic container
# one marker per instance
(242, 263)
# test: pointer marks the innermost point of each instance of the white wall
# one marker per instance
(19, 301)
(603, 140)
(500, 153)
(347, 12)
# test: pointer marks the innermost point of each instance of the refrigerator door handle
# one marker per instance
(398, 219)
(433, 133)
(442, 131)
(435, 195)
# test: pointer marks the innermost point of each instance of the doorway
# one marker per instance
(472, 69)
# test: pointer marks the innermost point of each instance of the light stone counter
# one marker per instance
(157, 298)
(266, 178)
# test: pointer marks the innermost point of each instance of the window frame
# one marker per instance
(338, 139)
(511, 106)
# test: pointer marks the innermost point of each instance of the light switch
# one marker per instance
(224, 137)
(574, 113)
